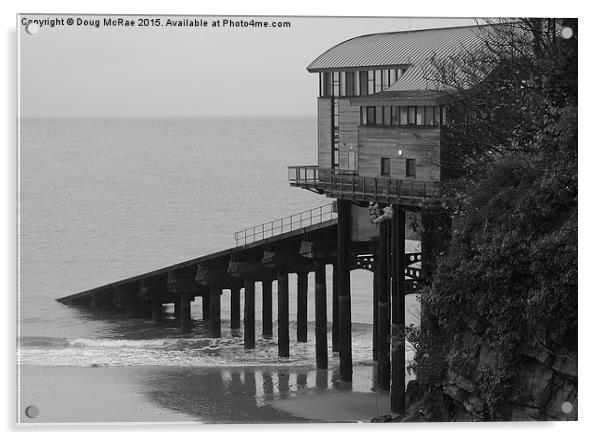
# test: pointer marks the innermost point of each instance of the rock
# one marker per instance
(382, 419)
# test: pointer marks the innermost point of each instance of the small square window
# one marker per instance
(385, 166)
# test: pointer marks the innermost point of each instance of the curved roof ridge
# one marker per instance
(386, 49)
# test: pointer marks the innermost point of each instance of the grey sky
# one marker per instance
(77, 71)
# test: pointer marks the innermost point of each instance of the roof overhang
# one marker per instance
(411, 98)
(356, 68)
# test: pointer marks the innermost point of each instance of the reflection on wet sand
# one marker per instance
(234, 395)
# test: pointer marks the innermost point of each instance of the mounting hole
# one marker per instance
(566, 32)
(32, 411)
(32, 28)
(566, 407)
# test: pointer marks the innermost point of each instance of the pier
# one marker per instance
(298, 244)
(383, 153)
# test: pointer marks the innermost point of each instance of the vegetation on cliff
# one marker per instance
(508, 271)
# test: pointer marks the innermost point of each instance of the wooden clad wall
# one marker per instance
(420, 143)
(324, 133)
(349, 120)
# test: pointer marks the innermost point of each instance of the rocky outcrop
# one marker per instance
(546, 385)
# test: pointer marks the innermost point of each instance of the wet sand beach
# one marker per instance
(266, 394)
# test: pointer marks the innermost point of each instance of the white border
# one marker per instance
(588, 172)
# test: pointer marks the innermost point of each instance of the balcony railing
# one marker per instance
(349, 185)
(303, 175)
(285, 224)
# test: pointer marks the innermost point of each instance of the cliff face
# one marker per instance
(545, 387)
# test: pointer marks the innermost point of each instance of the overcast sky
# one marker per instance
(78, 71)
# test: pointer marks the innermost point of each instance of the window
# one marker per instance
(325, 84)
(335, 83)
(379, 115)
(410, 167)
(385, 166)
(378, 81)
(352, 160)
(370, 82)
(370, 115)
(342, 82)
(403, 115)
(394, 115)
(412, 115)
(392, 78)
(429, 116)
(363, 83)
(349, 84)
(387, 116)
(419, 115)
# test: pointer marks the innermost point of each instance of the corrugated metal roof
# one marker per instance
(397, 48)
(415, 49)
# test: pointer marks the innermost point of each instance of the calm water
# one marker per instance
(102, 200)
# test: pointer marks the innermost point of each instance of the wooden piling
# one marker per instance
(335, 308)
(302, 306)
(321, 317)
(206, 307)
(384, 310)
(235, 308)
(344, 238)
(157, 310)
(249, 319)
(398, 310)
(176, 310)
(283, 336)
(185, 318)
(215, 312)
(266, 311)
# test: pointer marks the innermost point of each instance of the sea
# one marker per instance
(104, 199)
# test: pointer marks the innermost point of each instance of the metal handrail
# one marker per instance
(285, 224)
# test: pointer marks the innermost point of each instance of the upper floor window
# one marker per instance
(400, 115)
(368, 115)
(357, 82)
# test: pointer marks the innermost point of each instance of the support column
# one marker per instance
(384, 310)
(283, 337)
(206, 306)
(176, 310)
(344, 238)
(335, 308)
(249, 313)
(266, 311)
(398, 310)
(157, 310)
(185, 318)
(302, 306)
(235, 308)
(321, 317)
(215, 312)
